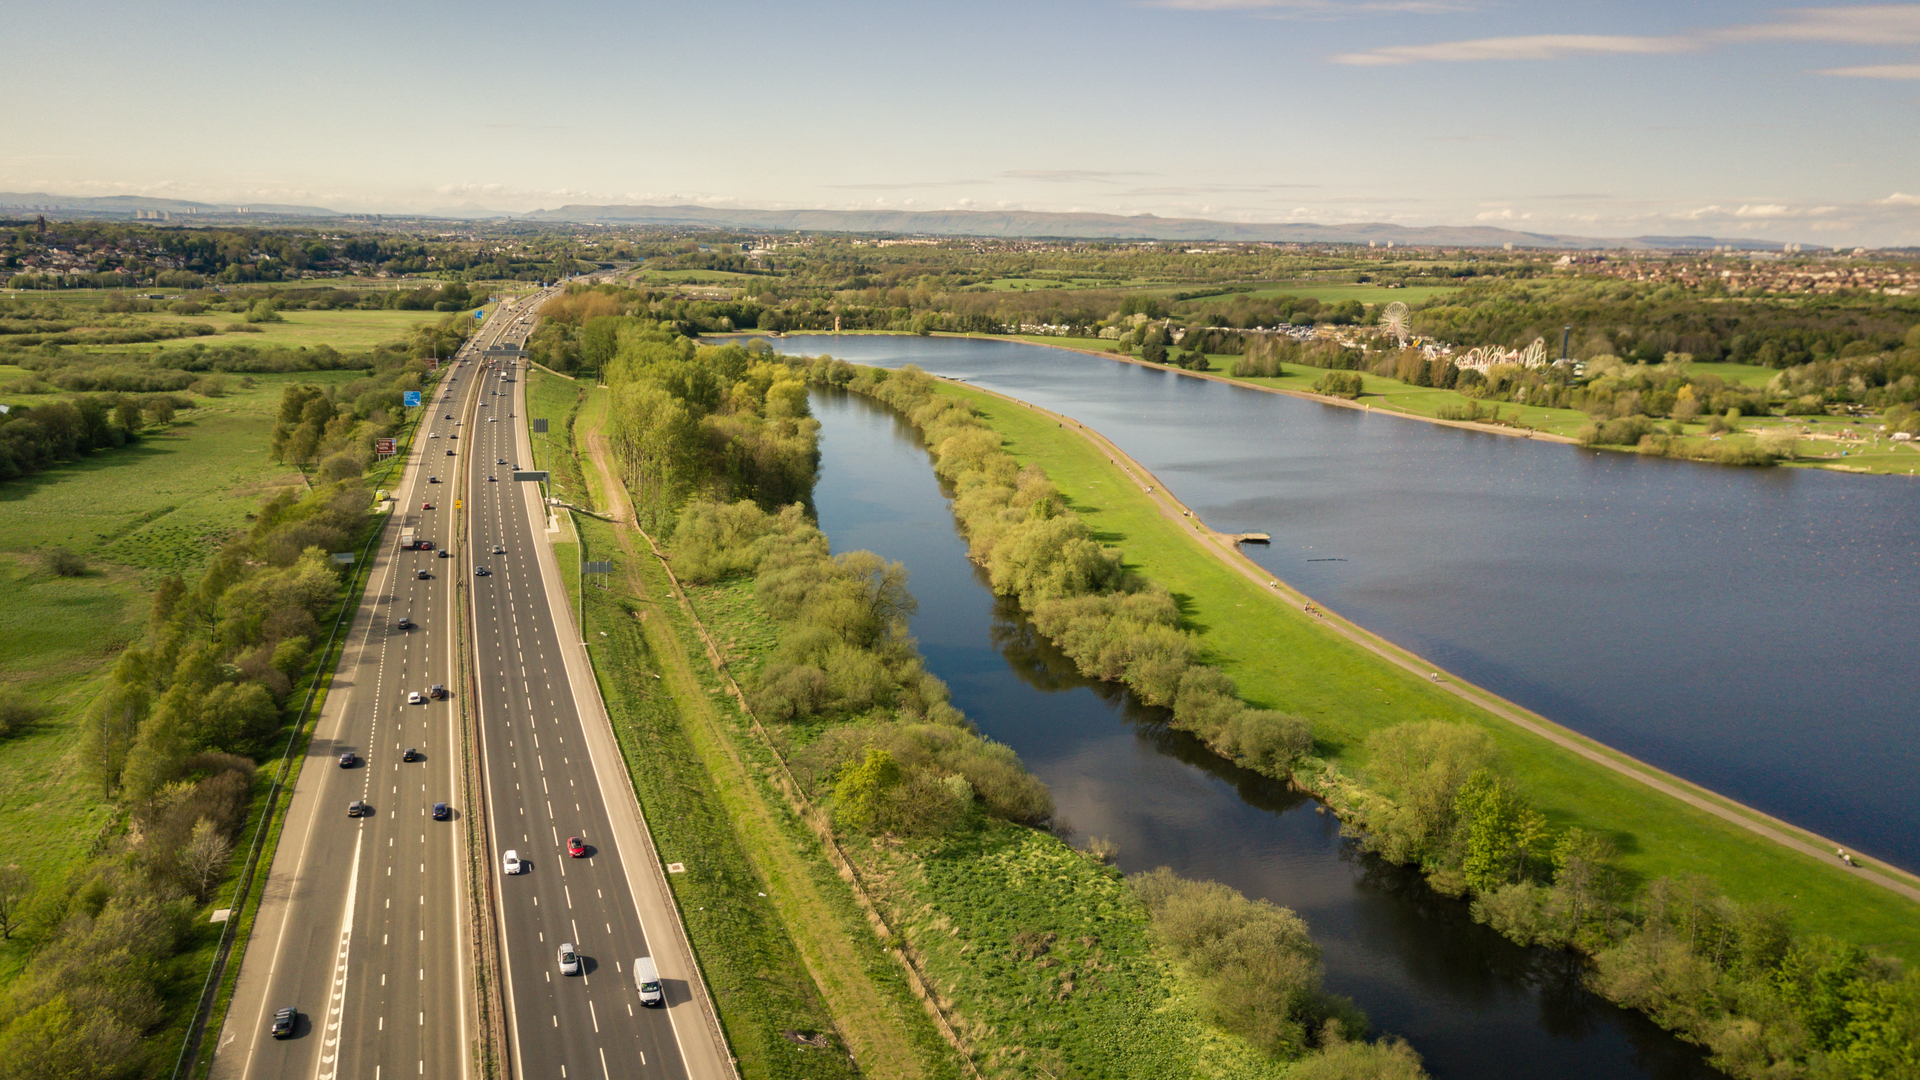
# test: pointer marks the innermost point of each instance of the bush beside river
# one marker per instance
(1440, 795)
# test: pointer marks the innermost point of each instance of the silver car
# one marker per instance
(569, 961)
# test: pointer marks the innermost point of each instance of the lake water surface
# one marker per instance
(1750, 629)
(1473, 1004)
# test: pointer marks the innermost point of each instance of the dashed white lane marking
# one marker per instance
(329, 1066)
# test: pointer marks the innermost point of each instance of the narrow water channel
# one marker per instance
(1749, 629)
(1473, 1004)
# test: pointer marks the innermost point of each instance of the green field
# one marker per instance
(1409, 295)
(345, 329)
(1348, 693)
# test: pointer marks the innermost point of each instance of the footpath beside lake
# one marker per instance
(1722, 624)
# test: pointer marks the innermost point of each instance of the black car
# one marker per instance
(433, 479)
(421, 575)
(283, 1022)
(446, 553)
(449, 453)
(410, 754)
(406, 623)
(481, 571)
(346, 760)
(502, 461)
(441, 811)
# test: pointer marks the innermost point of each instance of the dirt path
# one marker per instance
(1223, 546)
(867, 1019)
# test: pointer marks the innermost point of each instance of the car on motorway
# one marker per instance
(433, 479)
(403, 623)
(357, 808)
(347, 760)
(449, 416)
(426, 506)
(410, 754)
(449, 453)
(493, 419)
(413, 698)
(481, 571)
(491, 480)
(501, 461)
(426, 545)
(446, 553)
(433, 434)
(647, 979)
(283, 1021)
(441, 811)
(510, 862)
(569, 960)
(499, 549)
(421, 575)
(576, 847)
(436, 691)
(454, 435)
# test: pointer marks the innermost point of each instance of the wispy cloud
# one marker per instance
(1876, 71)
(1525, 47)
(1875, 24)
(1315, 9)
(1898, 198)
(1069, 176)
(906, 186)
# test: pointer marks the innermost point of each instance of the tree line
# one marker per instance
(1765, 1000)
(172, 743)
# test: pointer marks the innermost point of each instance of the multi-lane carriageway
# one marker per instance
(362, 921)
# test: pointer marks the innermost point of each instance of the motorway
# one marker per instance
(363, 922)
(543, 788)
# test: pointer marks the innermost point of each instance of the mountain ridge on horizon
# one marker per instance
(1034, 224)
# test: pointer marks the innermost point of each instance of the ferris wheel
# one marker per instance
(1394, 321)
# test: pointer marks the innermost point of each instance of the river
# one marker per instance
(1473, 1004)
(1747, 629)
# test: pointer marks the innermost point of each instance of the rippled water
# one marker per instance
(1749, 629)
(1473, 1004)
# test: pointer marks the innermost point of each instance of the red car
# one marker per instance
(576, 847)
(426, 506)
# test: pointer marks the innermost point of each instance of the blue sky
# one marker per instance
(1599, 119)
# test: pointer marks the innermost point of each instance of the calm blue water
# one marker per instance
(1750, 629)
(1473, 1004)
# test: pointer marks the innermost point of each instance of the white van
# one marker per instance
(648, 980)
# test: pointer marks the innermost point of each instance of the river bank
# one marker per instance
(1030, 957)
(1677, 831)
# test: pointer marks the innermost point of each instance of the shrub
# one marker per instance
(62, 562)
(1348, 384)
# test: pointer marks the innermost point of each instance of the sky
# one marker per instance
(1617, 118)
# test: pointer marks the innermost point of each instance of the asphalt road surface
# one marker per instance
(362, 920)
(543, 789)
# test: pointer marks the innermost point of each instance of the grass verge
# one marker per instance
(1283, 659)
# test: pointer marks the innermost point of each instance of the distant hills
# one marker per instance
(1000, 223)
(1025, 223)
(128, 206)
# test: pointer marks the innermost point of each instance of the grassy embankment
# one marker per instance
(152, 508)
(1082, 986)
(156, 507)
(780, 939)
(1831, 442)
(1283, 659)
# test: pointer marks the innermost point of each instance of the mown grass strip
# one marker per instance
(1284, 659)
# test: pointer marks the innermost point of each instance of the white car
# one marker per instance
(414, 698)
(569, 960)
(510, 863)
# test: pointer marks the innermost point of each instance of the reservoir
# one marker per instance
(1473, 1004)
(1749, 629)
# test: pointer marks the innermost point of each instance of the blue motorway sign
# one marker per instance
(479, 313)
(410, 398)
